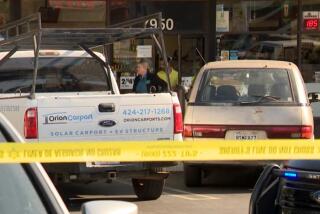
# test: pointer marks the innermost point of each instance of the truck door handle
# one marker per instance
(107, 107)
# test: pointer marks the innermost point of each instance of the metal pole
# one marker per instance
(8, 55)
(212, 34)
(164, 53)
(36, 46)
(179, 59)
(299, 34)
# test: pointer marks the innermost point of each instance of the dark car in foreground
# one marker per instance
(293, 188)
(26, 188)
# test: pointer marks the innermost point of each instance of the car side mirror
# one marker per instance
(314, 97)
(188, 94)
(109, 207)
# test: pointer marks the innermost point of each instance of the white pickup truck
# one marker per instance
(73, 102)
(72, 95)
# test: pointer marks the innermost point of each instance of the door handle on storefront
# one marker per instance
(107, 107)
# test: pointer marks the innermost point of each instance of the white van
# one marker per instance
(246, 100)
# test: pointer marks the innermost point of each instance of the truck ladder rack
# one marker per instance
(28, 34)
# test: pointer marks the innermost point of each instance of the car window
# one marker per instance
(245, 85)
(68, 74)
(18, 194)
(267, 52)
(252, 52)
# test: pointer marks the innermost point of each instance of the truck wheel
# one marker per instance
(192, 176)
(147, 189)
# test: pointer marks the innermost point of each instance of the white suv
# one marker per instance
(246, 100)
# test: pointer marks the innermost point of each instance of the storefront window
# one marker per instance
(184, 23)
(126, 55)
(257, 29)
(4, 12)
(256, 15)
(259, 46)
(177, 15)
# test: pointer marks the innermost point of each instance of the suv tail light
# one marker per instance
(178, 120)
(187, 132)
(295, 132)
(273, 132)
(206, 131)
(31, 123)
(306, 132)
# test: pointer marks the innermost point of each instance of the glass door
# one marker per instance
(186, 53)
(126, 55)
(191, 58)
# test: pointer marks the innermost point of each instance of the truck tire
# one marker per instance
(192, 176)
(148, 189)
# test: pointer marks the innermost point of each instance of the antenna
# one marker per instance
(199, 53)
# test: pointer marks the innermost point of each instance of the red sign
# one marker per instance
(76, 4)
(311, 24)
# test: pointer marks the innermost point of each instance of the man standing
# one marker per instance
(147, 82)
(173, 74)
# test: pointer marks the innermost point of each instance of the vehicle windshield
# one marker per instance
(55, 74)
(245, 86)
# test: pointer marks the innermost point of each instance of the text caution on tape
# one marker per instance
(159, 151)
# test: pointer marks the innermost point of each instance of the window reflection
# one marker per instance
(259, 15)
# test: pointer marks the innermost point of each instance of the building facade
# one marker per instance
(196, 31)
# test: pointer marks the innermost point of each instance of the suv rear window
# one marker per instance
(55, 74)
(245, 86)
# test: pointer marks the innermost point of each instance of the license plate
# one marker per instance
(246, 135)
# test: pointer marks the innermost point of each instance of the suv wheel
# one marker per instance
(148, 189)
(192, 176)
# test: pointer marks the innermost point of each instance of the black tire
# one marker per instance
(192, 176)
(147, 189)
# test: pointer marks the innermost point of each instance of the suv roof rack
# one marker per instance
(28, 34)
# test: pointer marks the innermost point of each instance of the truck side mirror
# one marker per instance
(109, 207)
(314, 97)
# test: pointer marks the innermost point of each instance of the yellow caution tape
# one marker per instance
(125, 151)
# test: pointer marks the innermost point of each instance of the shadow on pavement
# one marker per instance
(77, 194)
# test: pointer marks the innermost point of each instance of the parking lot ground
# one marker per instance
(176, 198)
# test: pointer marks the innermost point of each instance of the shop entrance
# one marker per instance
(187, 53)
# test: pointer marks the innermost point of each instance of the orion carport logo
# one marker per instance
(64, 118)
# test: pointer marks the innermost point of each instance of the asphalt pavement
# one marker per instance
(176, 199)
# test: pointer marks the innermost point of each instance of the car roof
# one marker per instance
(249, 64)
(50, 53)
(289, 43)
(285, 43)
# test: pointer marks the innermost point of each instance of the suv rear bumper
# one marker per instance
(70, 172)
